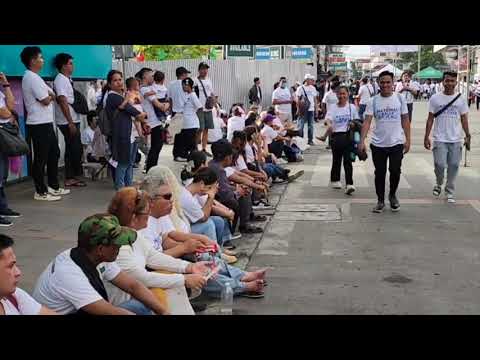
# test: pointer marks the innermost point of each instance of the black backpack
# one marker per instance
(80, 104)
(104, 121)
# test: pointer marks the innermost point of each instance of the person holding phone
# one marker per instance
(448, 115)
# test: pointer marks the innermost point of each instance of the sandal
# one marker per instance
(252, 294)
(251, 230)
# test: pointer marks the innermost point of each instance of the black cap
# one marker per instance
(187, 81)
(203, 65)
(181, 70)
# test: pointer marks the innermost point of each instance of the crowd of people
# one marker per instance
(163, 241)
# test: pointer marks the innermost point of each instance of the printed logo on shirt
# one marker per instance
(102, 269)
(341, 119)
(157, 243)
(388, 113)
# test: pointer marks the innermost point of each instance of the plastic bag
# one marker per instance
(15, 164)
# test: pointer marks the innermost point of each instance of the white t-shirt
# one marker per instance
(178, 96)
(407, 95)
(269, 134)
(447, 127)
(65, 288)
(329, 99)
(365, 92)
(161, 90)
(249, 153)
(26, 304)
(388, 121)
(190, 118)
(33, 88)
(341, 116)
(147, 105)
(3, 104)
(240, 164)
(229, 171)
(282, 95)
(208, 89)
(157, 229)
(87, 139)
(235, 123)
(477, 90)
(311, 94)
(190, 206)
(216, 133)
(63, 87)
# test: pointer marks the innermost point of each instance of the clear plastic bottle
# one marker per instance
(226, 306)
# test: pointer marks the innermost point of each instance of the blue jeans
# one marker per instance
(361, 110)
(206, 228)
(273, 171)
(124, 171)
(3, 178)
(449, 156)
(136, 307)
(226, 274)
(306, 118)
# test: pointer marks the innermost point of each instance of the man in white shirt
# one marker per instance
(448, 114)
(74, 281)
(188, 136)
(408, 90)
(307, 91)
(38, 99)
(282, 99)
(177, 99)
(390, 138)
(13, 300)
(365, 92)
(68, 121)
(204, 91)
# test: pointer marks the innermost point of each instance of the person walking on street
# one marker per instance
(204, 91)
(7, 108)
(338, 118)
(38, 99)
(365, 92)
(177, 102)
(255, 94)
(282, 100)
(408, 90)
(390, 138)
(68, 121)
(306, 115)
(447, 114)
(321, 89)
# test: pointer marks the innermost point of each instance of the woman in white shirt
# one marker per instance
(236, 122)
(338, 118)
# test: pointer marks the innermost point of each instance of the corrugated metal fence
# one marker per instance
(231, 78)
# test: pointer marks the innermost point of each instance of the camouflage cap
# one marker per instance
(105, 229)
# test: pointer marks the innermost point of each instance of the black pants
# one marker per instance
(45, 152)
(410, 111)
(184, 143)
(478, 101)
(341, 147)
(157, 139)
(242, 208)
(73, 152)
(380, 155)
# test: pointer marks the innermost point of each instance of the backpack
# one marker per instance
(303, 103)
(80, 104)
(104, 121)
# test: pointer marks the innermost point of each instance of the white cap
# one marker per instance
(309, 77)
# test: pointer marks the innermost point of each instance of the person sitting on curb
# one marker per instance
(247, 284)
(169, 276)
(73, 283)
(13, 300)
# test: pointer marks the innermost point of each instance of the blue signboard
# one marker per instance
(301, 53)
(262, 54)
(90, 61)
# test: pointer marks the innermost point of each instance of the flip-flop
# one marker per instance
(252, 294)
(259, 218)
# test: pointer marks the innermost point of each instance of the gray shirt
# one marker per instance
(225, 190)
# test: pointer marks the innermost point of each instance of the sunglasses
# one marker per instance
(167, 197)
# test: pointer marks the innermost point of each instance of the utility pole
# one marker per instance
(419, 57)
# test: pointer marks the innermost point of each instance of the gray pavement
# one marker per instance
(326, 252)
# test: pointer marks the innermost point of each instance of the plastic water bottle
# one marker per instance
(226, 307)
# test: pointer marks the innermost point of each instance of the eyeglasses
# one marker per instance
(167, 197)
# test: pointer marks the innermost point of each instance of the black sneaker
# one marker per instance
(394, 203)
(379, 207)
(10, 213)
(4, 222)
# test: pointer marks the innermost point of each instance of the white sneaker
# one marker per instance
(336, 185)
(46, 197)
(451, 199)
(58, 192)
(282, 161)
(350, 189)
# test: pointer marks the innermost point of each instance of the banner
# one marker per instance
(241, 51)
(262, 54)
(393, 48)
(301, 53)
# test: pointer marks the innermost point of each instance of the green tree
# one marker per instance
(428, 58)
(174, 52)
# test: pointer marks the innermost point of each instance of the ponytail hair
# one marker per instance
(197, 160)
